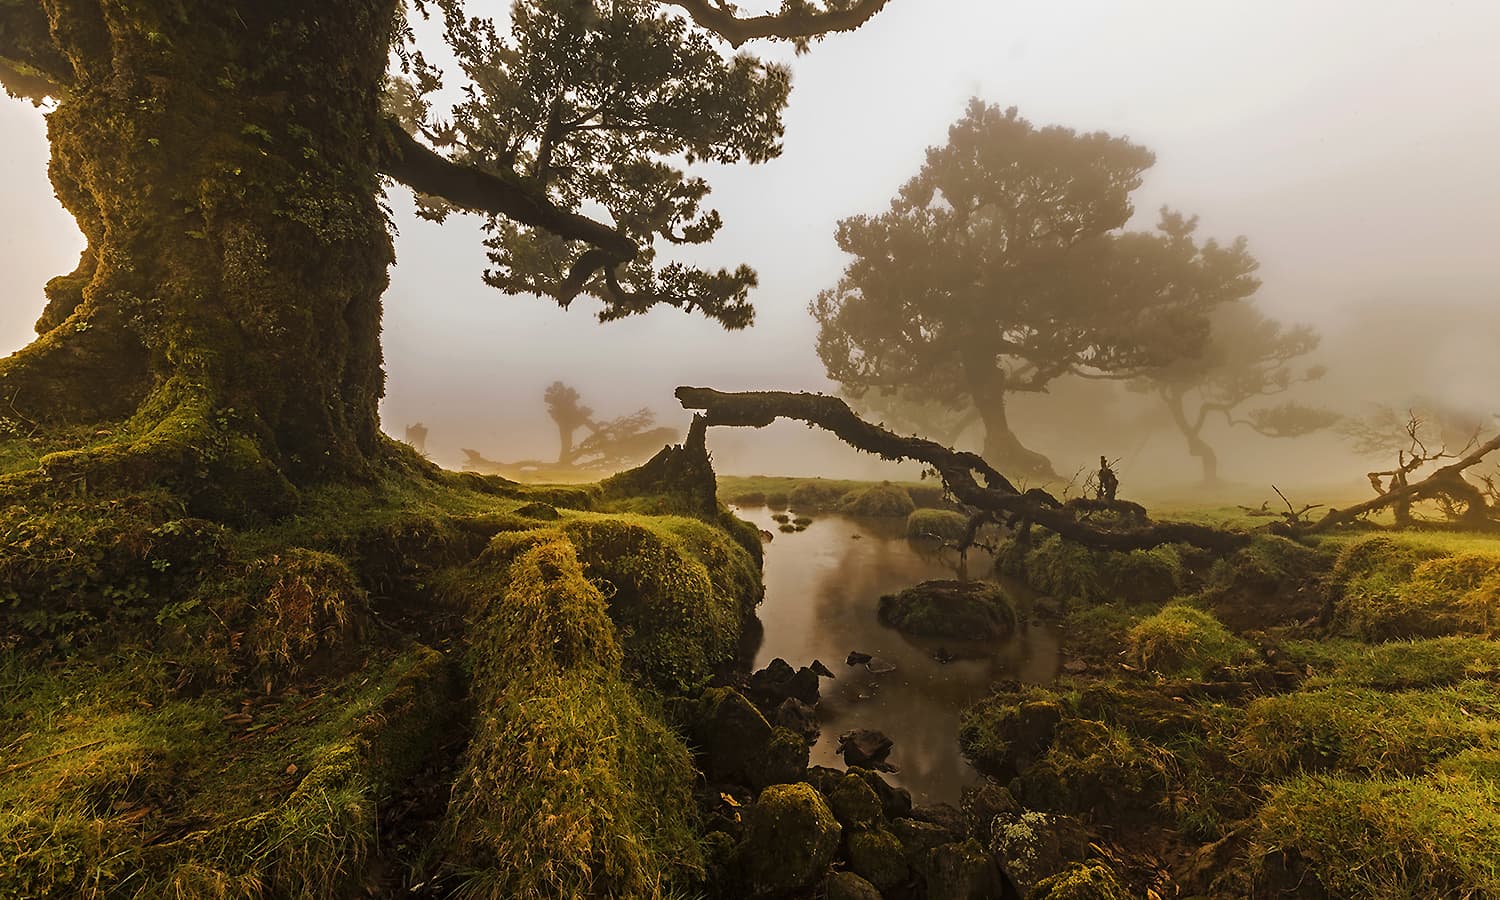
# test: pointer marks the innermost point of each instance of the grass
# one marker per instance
(1184, 640)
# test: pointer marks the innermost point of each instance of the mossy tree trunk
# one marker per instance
(221, 161)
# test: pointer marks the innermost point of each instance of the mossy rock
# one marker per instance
(790, 839)
(876, 855)
(962, 871)
(1007, 732)
(940, 525)
(854, 803)
(884, 500)
(894, 801)
(1036, 846)
(1082, 881)
(1184, 640)
(849, 886)
(740, 747)
(958, 610)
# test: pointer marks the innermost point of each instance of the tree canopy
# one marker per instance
(1002, 266)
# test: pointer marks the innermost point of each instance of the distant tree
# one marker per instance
(612, 444)
(1001, 267)
(1248, 357)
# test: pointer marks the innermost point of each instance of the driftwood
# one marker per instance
(1128, 526)
(1446, 484)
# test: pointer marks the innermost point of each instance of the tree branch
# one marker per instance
(792, 24)
(428, 172)
(961, 472)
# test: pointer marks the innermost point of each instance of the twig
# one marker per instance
(53, 755)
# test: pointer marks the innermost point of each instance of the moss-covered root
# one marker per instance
(570, 786)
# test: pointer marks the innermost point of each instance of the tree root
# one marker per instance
(961, 471)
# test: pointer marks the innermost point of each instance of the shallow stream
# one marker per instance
(823, 586)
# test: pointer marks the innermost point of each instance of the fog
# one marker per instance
(1353, 144)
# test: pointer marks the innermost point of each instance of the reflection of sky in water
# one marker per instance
(822, 589)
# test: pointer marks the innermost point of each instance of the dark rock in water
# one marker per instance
(544, 511)
(875, 855)
(741, 747)
(943, 655)
(880, 667)
(957, 610)
(894, 801)
(778, 681)
(865, 747)
(983, 805)
(821, 670)
(857, 659)
(963, 872)
(849, 886)
(798, 717)
(790, 839)
(944, 815)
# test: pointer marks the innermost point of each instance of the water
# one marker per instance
(822, 590)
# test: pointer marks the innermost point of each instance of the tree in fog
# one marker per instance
(1247, 358)
(1002, 267)
(610, 444)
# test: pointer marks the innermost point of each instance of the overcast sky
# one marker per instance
(1354, 143)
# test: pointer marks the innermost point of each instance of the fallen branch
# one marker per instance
(962, 473)
(13, 767)
(1447, 483)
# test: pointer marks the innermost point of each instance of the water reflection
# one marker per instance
(822, 588)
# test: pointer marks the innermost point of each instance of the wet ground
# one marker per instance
(822, 590)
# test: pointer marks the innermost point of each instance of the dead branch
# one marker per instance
(962, 472)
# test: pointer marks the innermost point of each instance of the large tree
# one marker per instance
(1002, 267)
(226, 161)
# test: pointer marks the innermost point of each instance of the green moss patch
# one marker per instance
(1184, 640)
(958, 610)
(942, 525)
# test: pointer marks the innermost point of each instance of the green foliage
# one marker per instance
(884, 500)
(816, 496)
(1184, 640)
(1388, 838)
(936, 525)
(1391, 589)
(1398, 665)
(1365, 730)
(1075, 574)
(961, 610)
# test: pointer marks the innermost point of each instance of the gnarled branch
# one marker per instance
(961, 472)
(794, 23)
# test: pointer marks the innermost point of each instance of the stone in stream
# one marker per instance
(857, 659)
(790, 838)
(963, 872)
(866, 748)
(798, 717)
(821, 670)
(849, 886)
(778, 681)
(957, 610)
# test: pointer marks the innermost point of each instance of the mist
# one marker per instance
(1352, 146)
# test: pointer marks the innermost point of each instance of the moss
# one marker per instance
(1426, 837)
(1077, 575)
(876, 855)
(816, 496)
(1363, 730)
(790, 838)
(960, 610)
(1438, 596)
(1008, 730)
(936, 525)
(778, 500)
(748, 499)
(854, 803)
(1272, 582)
(1096, 767)
(884, 500)
(1098, 633)
(1397, 665)
(1082, 881)
(1184, 640)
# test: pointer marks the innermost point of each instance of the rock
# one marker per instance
(854, 803)
(544, 511)
(982, 805)
(790, 838)
(943, 656)
(1075, 667)
(865, 747)
(741, 747)
(957, 610)
(1034, 846)
(894, 801)
(857, 659)
(849, 886)
(880, 666)
(876, 855)
(962, 872)
(798, 718)
(918, 839)
(1083, 881)
(821, 670)
(778, 681)
(824, 778)
(944, 815)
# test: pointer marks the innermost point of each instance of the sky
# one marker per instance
(1353, 143)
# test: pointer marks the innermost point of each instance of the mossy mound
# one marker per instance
(1184, 640)
(1409, 597)
(816, 496)
(884, 500)
(1274, 581)
(959, 610)
(942, 525)
(1076, 575)
(1340, 837)
(1082, 881)
(790, 839)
